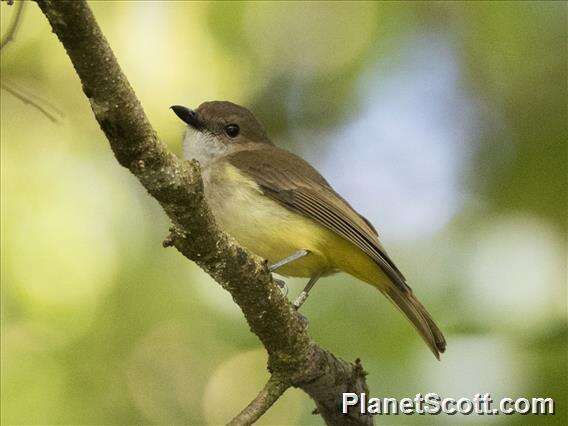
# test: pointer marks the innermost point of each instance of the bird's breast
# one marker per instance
(262, 225)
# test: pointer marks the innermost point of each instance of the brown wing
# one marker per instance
(291, 181)
(295, 184)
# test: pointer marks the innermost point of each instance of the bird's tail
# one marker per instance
(380, 272)
(408, 304)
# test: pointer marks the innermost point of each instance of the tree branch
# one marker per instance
(273, 390)
(177, 186)
(14, 25)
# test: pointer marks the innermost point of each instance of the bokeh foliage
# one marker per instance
(445, 123)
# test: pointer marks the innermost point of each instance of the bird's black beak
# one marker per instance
(188, 116)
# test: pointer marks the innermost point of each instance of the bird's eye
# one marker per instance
(232, 130)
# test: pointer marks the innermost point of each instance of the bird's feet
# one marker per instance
(297, 304)
(281, 285)
(299, 301)
(284, 288)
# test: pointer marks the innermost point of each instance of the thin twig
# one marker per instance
(11, 32)
(38, 99)
(273, 390)
(25, 99)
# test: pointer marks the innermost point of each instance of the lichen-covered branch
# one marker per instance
(177, 186)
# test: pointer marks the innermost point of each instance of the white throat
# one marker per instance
(202, 146)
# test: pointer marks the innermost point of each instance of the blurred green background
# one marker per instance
(443, 123)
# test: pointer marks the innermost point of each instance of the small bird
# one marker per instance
(279, 207)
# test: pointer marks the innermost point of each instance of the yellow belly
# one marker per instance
(274, 232)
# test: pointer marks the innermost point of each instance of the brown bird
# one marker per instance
(278, 206)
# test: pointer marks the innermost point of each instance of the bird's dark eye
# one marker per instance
(232, 130)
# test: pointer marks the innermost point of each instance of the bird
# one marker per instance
(281, 208)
